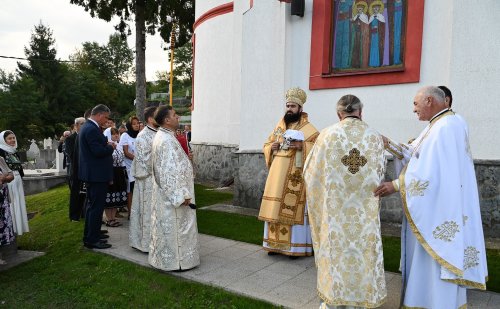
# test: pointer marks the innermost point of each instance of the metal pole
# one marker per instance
(172, 45)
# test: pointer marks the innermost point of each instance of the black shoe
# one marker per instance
(98, 245)
(293, 257)
(103, 231)
(272, 253)
(103, 236)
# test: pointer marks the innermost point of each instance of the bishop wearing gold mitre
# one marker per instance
(346, 164)
(283, 209)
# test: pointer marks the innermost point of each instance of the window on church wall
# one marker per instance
(365, 42)
(368, 36)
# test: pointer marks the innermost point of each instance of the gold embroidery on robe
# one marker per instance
(446, 231)
(471, 257)
(417, 188)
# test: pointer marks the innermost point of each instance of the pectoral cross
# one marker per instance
(354, 160)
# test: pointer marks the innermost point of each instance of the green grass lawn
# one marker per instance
(69, 276)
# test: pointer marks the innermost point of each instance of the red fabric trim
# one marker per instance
(321, 50)
(216, 11)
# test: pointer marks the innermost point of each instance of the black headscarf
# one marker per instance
(130, 130)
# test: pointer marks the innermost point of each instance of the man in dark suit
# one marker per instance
(96, 170)
(76, 199)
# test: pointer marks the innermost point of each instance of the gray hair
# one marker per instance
(433, 91)
(348, 104)
(100, 109)
(79, 120)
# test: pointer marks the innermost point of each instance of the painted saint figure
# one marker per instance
(360, 36)
(342, 30)
(377, 33)
(398, 16)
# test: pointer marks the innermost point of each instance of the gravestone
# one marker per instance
(47, 143)
(33, 152)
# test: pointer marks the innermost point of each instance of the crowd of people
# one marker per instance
(321, 198)
(130, 171)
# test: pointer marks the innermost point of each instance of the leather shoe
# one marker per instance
(103, 236)
(103, 231)
(98, 245)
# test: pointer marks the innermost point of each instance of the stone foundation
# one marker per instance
(248, 169)
(213, 162)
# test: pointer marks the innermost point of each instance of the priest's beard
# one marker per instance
(291, 118)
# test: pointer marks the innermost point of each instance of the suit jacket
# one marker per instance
(95, 155)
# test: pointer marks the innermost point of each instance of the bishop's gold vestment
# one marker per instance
(346, 164)
(283, 202)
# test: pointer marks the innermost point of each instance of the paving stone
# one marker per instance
(290, 295)
(259, 283)
(20, 257)
(477, 299)
(494, 301)
(232, 253)
(249, 264)
(305, 279)
(287, 268)
(222, 277)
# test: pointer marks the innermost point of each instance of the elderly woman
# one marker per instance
(8, 146)
(6, 226)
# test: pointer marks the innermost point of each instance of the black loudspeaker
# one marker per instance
(298, 7)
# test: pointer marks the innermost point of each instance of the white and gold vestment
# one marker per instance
(286, 229)
(140, 213)
(443, 250)
(174, 232)
(346, 164)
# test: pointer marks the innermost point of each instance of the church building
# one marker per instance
(247, 53)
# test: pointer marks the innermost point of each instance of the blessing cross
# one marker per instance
(354, 160)
(278, 132)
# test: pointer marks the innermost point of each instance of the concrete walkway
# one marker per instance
(246, 269)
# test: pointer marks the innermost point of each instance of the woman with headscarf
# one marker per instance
(127, 142)
(6, 226)
(8, 151)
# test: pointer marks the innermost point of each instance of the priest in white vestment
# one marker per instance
(174, 233)
(344, 167)
(442, 242)
(283, 207)
(140, 214)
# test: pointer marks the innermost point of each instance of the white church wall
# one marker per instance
(262, 71)
(212, 80)
(475, 73)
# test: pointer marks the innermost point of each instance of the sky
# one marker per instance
(71, 26)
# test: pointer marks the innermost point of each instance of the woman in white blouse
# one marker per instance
(127, 141)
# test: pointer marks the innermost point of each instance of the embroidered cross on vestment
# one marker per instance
(354, 161)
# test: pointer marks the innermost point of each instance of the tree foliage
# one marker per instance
(44, 96)
(155, 13)
(149, 17)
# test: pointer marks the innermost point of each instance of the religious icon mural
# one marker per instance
(368, 36)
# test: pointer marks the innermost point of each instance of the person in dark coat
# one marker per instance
(96, 170)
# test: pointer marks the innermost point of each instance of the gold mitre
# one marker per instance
(296, 95)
